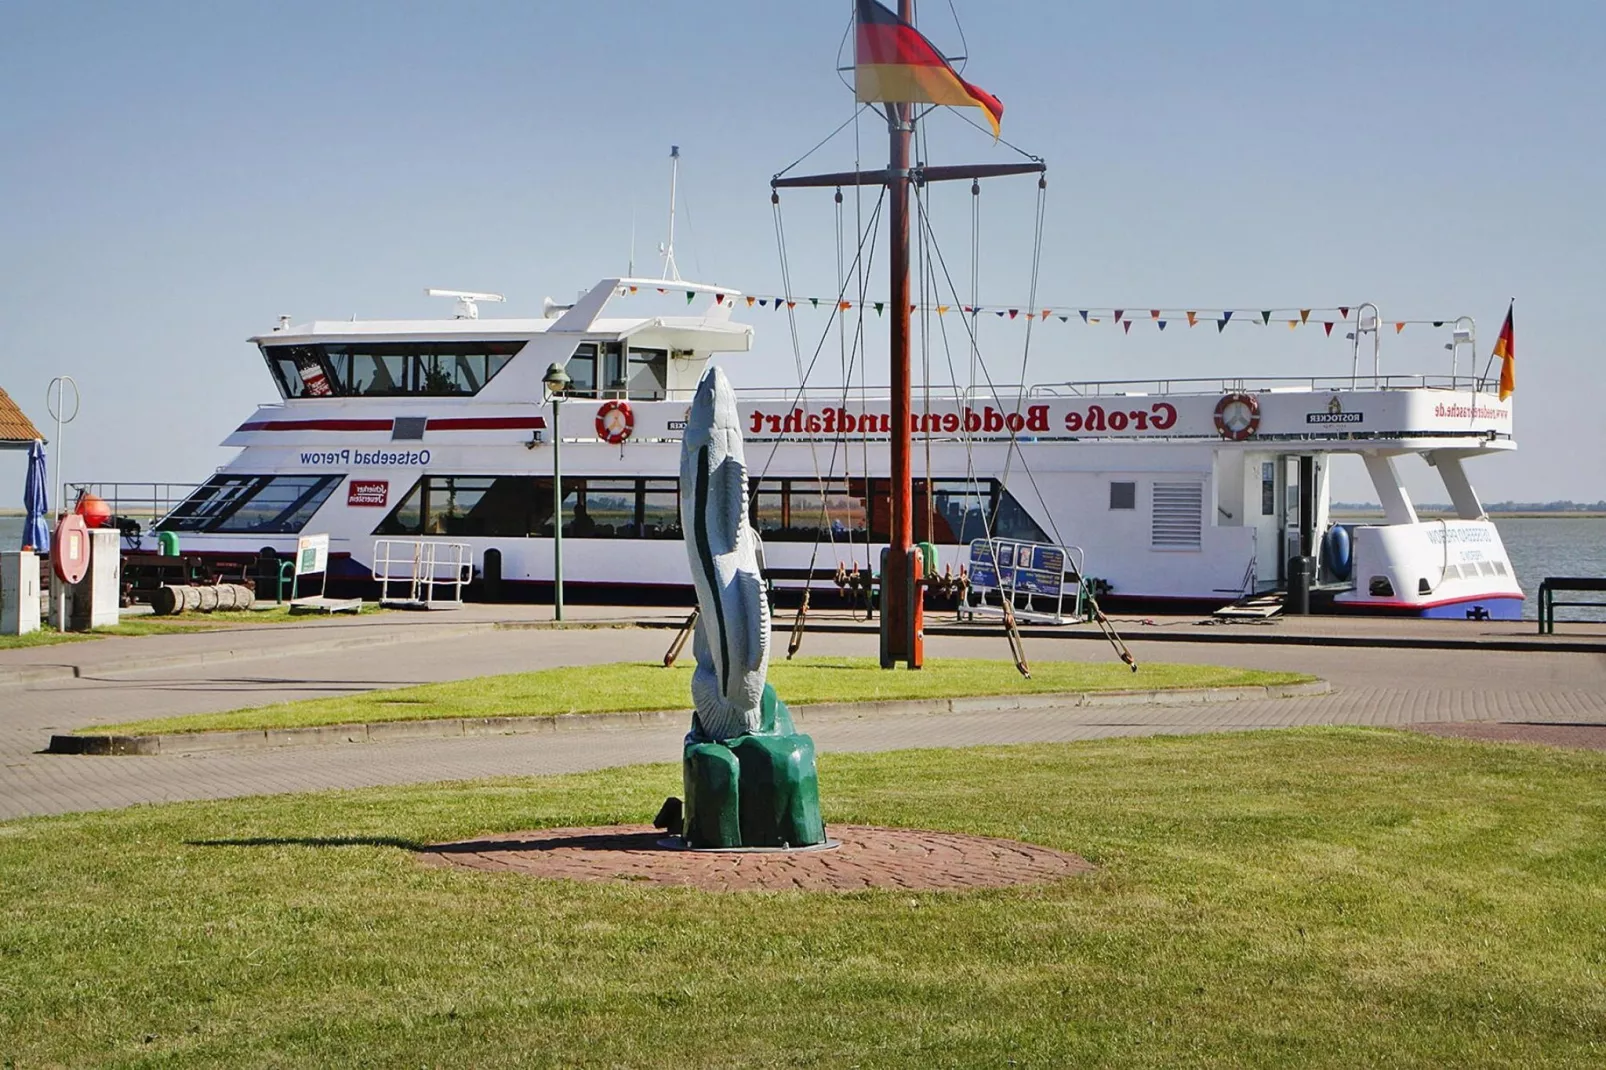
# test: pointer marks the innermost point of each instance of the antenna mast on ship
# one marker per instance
(671, 272)
(886, 51)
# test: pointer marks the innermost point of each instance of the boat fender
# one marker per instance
(615, 421)
(1338, 551)
(1237, 416)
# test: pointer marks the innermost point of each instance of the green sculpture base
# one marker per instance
(756, 790)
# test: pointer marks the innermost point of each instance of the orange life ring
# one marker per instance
(615, 421)
(1237, 416)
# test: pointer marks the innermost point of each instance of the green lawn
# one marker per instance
(150, 625)
(626, 686)
(1309, 898)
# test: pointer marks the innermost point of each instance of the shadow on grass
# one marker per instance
(632, 842)
(315, 841)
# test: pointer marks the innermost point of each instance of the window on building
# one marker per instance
(1123, 495)
(257, 505)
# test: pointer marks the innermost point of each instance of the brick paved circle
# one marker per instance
(869, 857)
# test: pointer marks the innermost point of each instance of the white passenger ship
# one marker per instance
(1184, 492)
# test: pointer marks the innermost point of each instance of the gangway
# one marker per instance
(422, 573)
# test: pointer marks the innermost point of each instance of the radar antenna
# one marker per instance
(467, 301)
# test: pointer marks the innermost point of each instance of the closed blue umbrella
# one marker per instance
(36, 529)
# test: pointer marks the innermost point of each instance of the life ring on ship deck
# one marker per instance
(1237, 416)
(615, 421)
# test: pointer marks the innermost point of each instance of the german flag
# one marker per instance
(893, 62)
(1505, 347)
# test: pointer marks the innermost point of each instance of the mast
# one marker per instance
(902, 637)
(902, 583)
(671, 271)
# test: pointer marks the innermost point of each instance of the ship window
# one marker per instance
(648, 373)
(1380, 587)
(1500, 567)
(582, 369)
(240, 504)
(521, 507)
(504, 506)
(956, 511)
(660, 510)
(1123, 495)
(388, 369)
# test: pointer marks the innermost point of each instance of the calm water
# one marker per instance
(1559, 546)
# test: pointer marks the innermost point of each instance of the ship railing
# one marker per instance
(136, 508)
(822, 397)
(1250, 384)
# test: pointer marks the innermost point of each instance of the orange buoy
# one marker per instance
(94, 510)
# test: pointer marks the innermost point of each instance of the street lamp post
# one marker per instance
(557, 381)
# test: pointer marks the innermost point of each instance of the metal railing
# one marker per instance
(136, 508)
(422, 573)
(1269, 384)
(1030, 576)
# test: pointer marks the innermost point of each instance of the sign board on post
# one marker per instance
(312, 554)
(312, 559)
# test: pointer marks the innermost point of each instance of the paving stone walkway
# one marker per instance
(1372, 686)
(865, 857)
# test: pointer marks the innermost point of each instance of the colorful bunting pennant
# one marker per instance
(1398, 327)
(1014, 312)
(1265, 317)
(815, 301)
(1293, 325)
(942, 310)
(1304, 315)
(750, 300)
(845, 305)
(691, 294)
(1161, 323)
(719, 298)
(1126, 325)
(879, 305)
(1083, 314)
(1193, 318)
(1328, 326)
(1343, 312)
(1226, 317)
(1154, 313)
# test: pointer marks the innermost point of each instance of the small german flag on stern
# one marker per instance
(894, 62)
(1505, 347)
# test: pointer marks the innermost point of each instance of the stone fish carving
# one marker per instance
(749, 775)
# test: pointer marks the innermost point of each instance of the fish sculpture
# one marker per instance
(732, 643)
(749, 775)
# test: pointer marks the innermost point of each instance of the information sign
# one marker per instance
(312, 554)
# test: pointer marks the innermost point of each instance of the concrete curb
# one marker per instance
(460, 727)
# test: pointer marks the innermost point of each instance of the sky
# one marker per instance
(174, 176)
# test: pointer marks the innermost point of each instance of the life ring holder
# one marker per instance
(1248, 428)
(610, 428)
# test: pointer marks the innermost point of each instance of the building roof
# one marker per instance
(16, 430)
